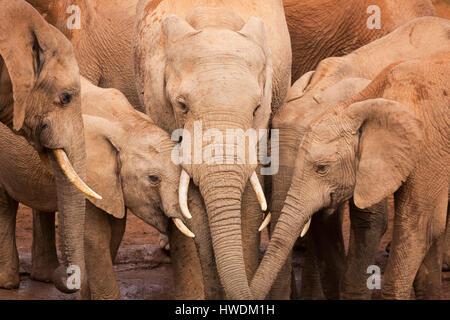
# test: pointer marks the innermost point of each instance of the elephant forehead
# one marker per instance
(220, 46)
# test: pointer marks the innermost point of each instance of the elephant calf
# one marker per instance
(128, 162)
(392, 137)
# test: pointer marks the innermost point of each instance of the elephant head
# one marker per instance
(133, 169)
(129, 160)
(40, 100)
(213, 71)
(363, 150)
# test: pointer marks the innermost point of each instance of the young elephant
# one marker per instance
(391, 137)
(129, 161)
(307, 100)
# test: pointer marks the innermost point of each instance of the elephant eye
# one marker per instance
(321, 168)
(65, 98)
(154, 179)
(182, 105)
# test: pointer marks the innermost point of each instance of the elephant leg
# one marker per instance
(367, 227)
(251, 220)
(419, 221)
(187, 271)
(427, 284)
(326, 232)
(294, 291)
(101, 277)
(9, 257)
(118, 227)
(311, 285)
(43, 252)
(446, 259)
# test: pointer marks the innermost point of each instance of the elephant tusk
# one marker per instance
(183, 194)
(254, 181)
(305, 228)
(266, 222)
(182, 227)
(69, 172)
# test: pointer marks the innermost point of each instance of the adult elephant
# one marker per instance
(102, 40)
(330, 28)
(40, 100)
(220, 65)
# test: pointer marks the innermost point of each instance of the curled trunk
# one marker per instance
(293, 218)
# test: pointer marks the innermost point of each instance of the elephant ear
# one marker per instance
(171, 29)
(299, 87)
(390, 137)
(103, 164)
(23, 34)
(254, 29)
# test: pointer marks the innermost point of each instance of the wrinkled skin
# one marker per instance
(182, 76)
(332, 28)
(103, 44)
(391, 137)
(40, 100)
(129, 162)
(309, 97)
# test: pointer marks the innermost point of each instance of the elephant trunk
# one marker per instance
(200, 227)
(294, 216)
(222, 191)
(71, 207)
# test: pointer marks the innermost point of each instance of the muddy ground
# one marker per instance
(143, 270)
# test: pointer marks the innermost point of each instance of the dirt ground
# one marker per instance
(143, 270)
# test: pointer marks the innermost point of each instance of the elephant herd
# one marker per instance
(101, 103)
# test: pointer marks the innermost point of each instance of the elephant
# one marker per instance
(128, 161)
(321, 29)
(40, 100)
(391, 138)
(222, 65)
(102, 41)
(307, 100)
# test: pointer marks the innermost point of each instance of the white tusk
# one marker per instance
(183, 194)
(254, 181)
(68, 170)
(182, 227)
(305, 228)
(265, 223)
